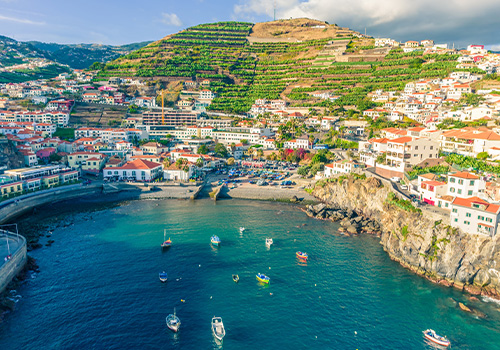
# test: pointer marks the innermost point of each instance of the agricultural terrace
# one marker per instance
(241, 72)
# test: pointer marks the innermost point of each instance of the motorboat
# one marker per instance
(302, 255)
(173, 322)
(435, 338)
(263, 278)
(215, 240)
(242, 229)
(218, 328)
(166, 242)
(269, 242)
(236, 278)
(163, 276)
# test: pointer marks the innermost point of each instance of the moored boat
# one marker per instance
(236, 278)
(173, 322)
(431, 335)
(166, 242)
(242, 229)
(263, 278)
(302, 255)
(269, 242)
(163, 276)
(215, 240)
(218, 328)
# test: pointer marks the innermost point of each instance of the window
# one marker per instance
(460, 182)
(469, 193)
(446, 205)
(459, 191)
(467, 222)
(432, 147)
(472, 182)
(452, 179)
(454, 210)
(452, 189)
(416, 147)
(468, 215)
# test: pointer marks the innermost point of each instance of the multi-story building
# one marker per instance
(474, 215)
(137, 170)
(408, 151)
(344, 166)
(464, 184)
(468, 141)
(170, 118)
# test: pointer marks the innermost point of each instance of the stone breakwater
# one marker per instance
(419, 242)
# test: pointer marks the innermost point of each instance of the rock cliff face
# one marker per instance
(9, 156)
(428, 247)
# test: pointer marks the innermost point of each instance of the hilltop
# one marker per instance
(308, 63)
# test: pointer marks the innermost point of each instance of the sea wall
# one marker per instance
(14, 266)
(19, 205)
(422, 242)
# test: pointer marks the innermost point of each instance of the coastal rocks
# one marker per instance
(349, 220)
(464, 307)
(422, 242)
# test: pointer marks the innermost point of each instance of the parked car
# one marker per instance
(404, 187)
(395, 179)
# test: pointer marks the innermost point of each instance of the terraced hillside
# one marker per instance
(275, 61)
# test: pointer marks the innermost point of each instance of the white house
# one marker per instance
(464, 184)
(176, 173)
(137, 170)
(430, 190)
(475, 216)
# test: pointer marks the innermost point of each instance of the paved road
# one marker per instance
(14, 245)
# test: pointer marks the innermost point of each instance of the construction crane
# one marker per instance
(162, 92)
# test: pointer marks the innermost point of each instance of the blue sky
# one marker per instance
(120, 22)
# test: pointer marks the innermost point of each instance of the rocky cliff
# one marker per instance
(9, 156)
(428, 247)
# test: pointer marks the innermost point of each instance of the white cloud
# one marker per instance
(171, 19)
(20, 20)
(452, 20)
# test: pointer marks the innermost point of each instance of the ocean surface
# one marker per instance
(99, 289)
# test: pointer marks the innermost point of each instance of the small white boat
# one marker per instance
(431, 335)
(163, 276)
(218, 328)
(242, 229)
(215, 240)
(173, 322)
(269, 242)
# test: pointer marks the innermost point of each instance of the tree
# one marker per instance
(54, 157)
(230, 161)
(199, 163)
(381, 158)
(320, 157)
(482, 155)
(220, 150)
(203, 149)
(244, 141)
(303, 170)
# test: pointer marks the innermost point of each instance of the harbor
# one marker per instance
(348, 293)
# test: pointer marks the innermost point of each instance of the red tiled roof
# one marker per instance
(467, 202)
(139, 164)
(402, 140)
(465, 175)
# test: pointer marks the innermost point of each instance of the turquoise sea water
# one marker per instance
(99, 289)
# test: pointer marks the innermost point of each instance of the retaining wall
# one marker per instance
(14, 266)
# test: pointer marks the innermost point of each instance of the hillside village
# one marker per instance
(434, 132)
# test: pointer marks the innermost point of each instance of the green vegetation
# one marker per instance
(471, 162)
(65, 133)
(438, 170)
(23, 75)
(401, 203)
(240, 72)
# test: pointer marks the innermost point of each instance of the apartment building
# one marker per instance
(475, 216)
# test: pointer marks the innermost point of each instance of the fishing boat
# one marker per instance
(218, 328)
(173, 322)
(166, 242)
(435, 338)
(215, 240)
(302, 255)
(269, 242)
(263, 278)
(242, 229)
(236, 278)
(163, 276)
